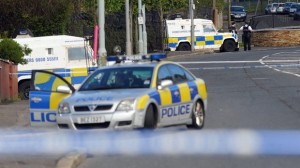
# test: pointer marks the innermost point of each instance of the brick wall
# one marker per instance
(276, 38)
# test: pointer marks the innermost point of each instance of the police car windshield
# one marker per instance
(119, 78)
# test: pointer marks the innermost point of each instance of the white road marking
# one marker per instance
(263, 62)
(260, 78)
(239, 62)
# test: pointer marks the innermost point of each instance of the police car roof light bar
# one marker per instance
(158, 56)
(137, 58)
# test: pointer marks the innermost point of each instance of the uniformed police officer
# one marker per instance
(247, 29)
(232, 28)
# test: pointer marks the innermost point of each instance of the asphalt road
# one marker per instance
(258, 91)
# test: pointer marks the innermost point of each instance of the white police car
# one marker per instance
(142, 94)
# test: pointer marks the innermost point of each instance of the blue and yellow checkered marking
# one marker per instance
(72, 75)
(49, 100)
(156, 96)
(175, 98)
(187, 92)
(193, 89)
(200, 40)
(166, 97)
(45, 85)
(44, 96)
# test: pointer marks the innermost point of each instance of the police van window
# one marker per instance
(177, 73)
(76, 53)
(163, 74)
(50, 51)
(208, 29)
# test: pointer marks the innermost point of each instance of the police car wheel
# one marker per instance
(24, 89)
(150, 120)
(197, 116)
(229, 46)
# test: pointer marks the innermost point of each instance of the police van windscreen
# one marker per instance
(119, 78)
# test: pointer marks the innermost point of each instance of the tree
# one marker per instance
(12, 51)
(42, 17)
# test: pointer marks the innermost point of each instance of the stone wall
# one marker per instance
(276, 38)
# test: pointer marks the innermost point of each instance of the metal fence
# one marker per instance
(273, 21)
(8, 81)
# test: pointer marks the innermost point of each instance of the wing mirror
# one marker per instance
(63, 89)
(164, 84)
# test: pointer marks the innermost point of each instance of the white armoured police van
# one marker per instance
(68, 56)
(178, 36)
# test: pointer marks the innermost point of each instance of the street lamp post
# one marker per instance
(229, 13)
(102, 50)
(140, 20)
(128, 30)
(192, 24)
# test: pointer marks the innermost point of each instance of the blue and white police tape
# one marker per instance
(161, 141)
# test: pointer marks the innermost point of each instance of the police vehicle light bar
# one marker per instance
(136, 58)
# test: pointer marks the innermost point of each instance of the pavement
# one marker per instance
(15, 116)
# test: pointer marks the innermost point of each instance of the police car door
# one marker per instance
(167, 110)
(181, 93)
(47, 90)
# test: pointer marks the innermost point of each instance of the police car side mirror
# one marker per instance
(63, 89)
(164, 84)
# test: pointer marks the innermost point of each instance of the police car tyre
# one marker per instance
(24, 89)
(198, 116)
(150, 119)
(184, 47)
(229, 46)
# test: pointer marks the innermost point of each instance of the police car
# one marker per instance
(141, 94)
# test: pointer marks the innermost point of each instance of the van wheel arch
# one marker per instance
(184, 46)
(228, 45)
(24, 88)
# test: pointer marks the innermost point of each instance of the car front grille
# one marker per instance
(81, 108)
(92, 126)
(103, 107)
(88, 108)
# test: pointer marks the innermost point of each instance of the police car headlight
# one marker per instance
(64, 108)
(126, 105)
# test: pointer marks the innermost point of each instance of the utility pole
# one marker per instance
(229, 14)
(140, 21)
(128, 29)
(145, 45)
(214, 12)
(102, 50)
(192, 25)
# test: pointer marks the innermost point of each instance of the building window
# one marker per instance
(50, 51)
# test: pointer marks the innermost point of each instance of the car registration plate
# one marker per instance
(90, 119)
